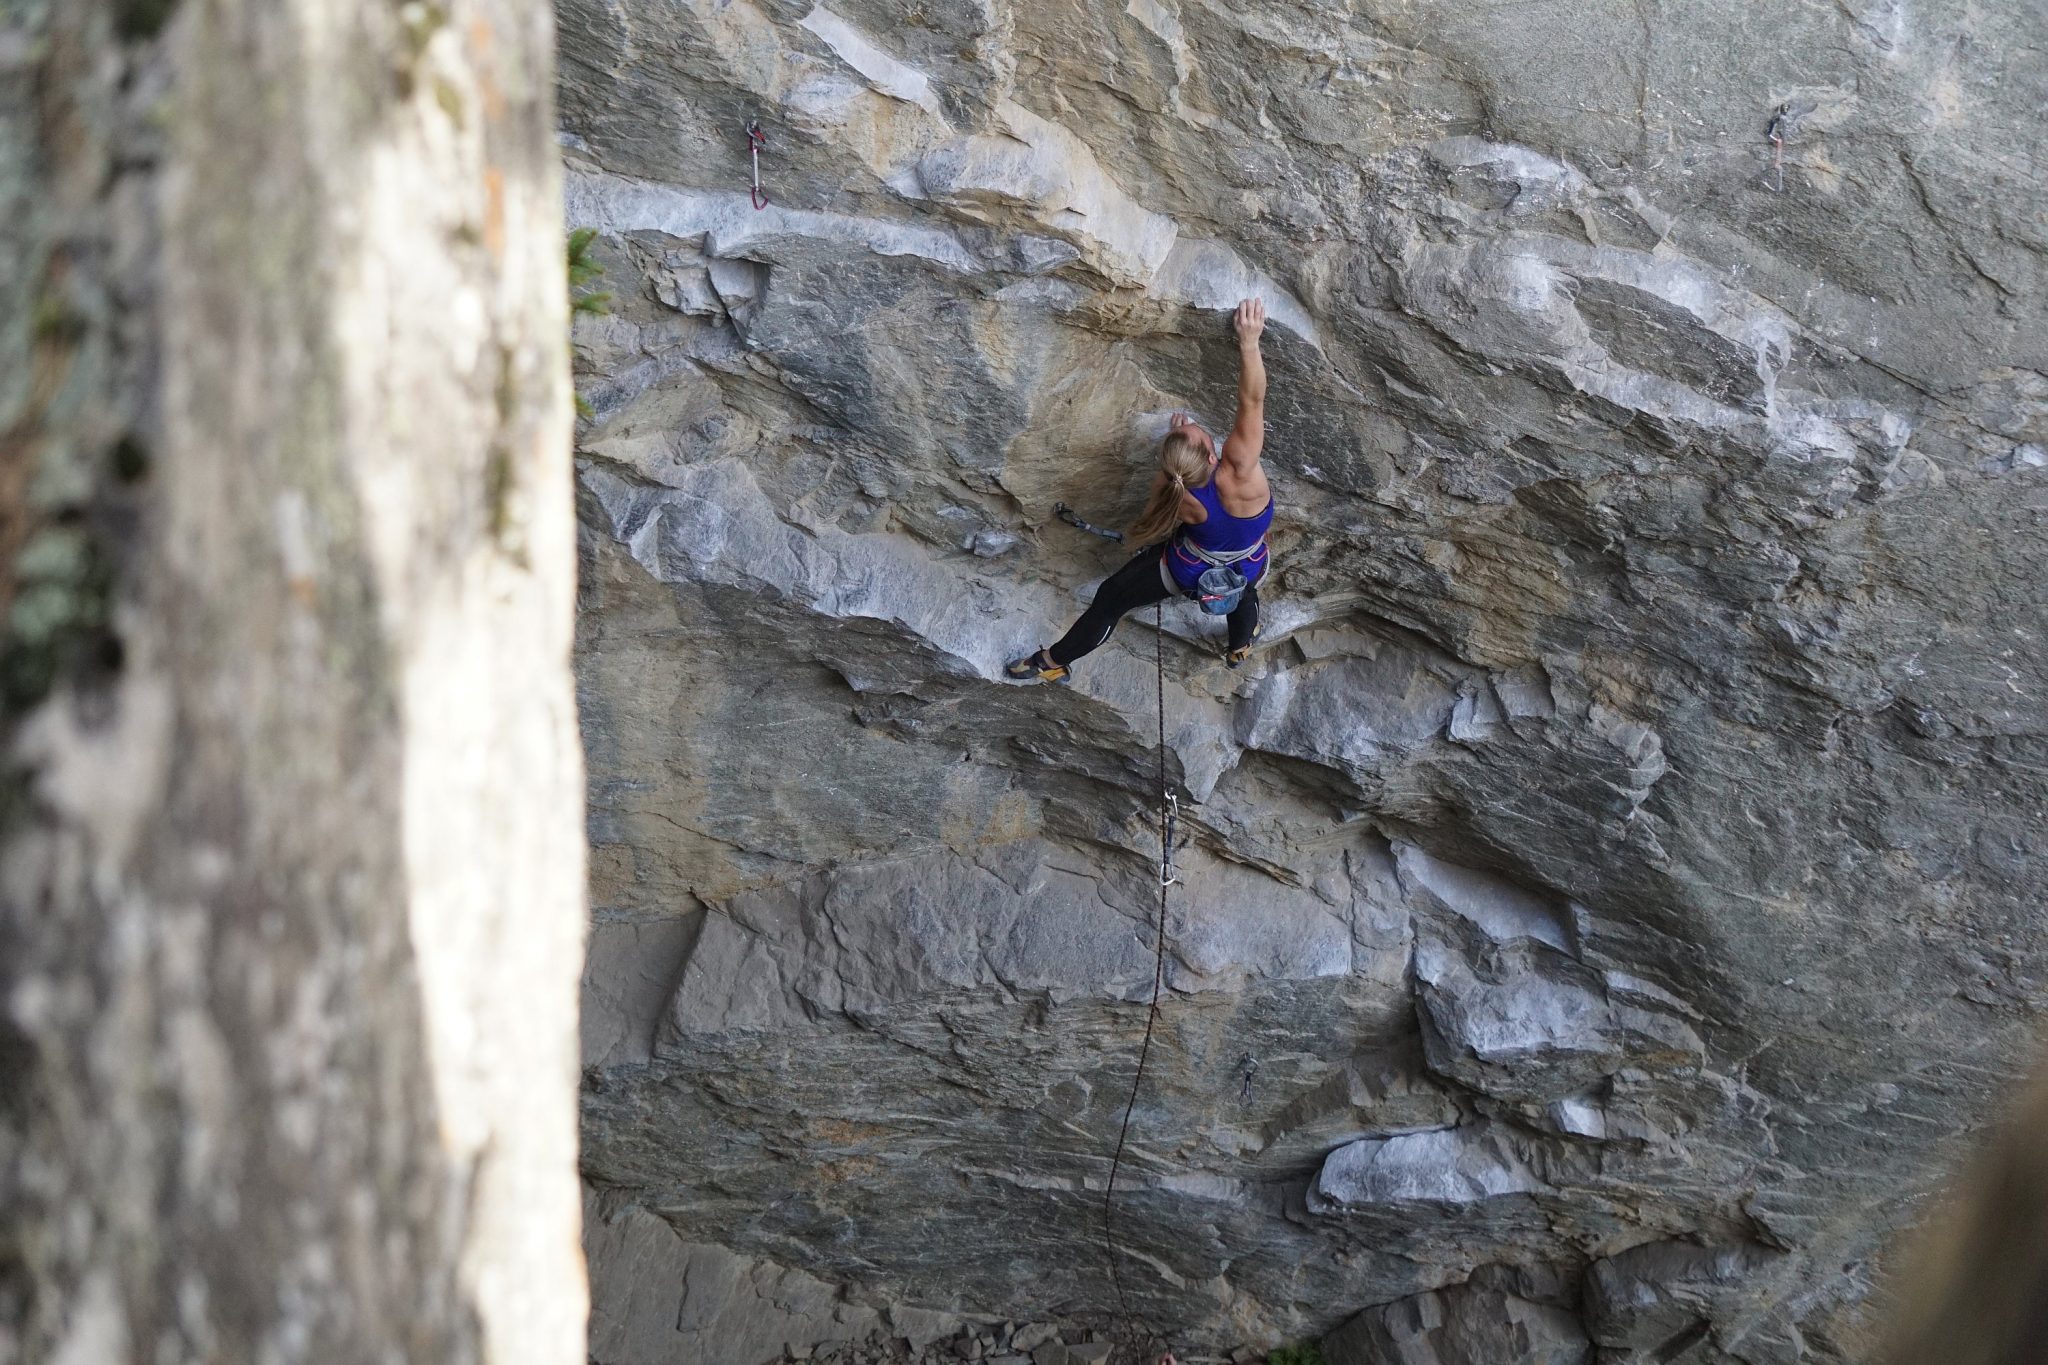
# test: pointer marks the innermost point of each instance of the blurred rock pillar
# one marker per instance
(293, 860)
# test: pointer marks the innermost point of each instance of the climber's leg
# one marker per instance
(1244, 627)
(1139, 583)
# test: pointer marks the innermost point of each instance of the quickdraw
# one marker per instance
(1073, 519)
(1775, 135)
(1167, 876)
(756, 140)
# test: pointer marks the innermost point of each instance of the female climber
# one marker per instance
(1217, 507)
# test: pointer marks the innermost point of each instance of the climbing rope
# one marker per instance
(1169, 819)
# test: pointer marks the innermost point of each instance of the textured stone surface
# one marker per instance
(1660, 1299)
(1463, 1165)
(660, 1299)
(290, 867)
(1467, 1324)
(1629, 831)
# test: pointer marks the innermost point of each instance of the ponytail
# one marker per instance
(1186, 468)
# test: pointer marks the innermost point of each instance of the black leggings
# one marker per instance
(1140, 584)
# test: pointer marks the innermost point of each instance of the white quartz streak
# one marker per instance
(898, 80)
(730, 225)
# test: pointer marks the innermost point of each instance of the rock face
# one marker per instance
(1620, 865)
(290, 863)
(1468, 1324)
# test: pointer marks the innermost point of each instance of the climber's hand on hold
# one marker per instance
(1250, 320)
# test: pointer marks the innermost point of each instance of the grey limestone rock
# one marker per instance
(1656, 1299)
(659, 1298)
(1450, 1166)
(1622, 835)
(1032, 1335)
(1466, 1324)
(1523, 1022)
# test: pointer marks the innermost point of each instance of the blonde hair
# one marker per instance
(1186, 466)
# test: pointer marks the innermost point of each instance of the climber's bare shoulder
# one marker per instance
(1243, 490)
(1245, 443)
(1241, 482)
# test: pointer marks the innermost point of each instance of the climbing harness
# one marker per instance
(756, 140)
(1221, 559)
(1073, 519)
(1169, 819)
(1775, 135)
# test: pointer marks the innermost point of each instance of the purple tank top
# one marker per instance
(1220, 534)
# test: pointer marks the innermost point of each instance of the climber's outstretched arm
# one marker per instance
(1248, 435)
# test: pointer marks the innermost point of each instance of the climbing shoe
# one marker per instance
(1037, 667)
(1234, 657)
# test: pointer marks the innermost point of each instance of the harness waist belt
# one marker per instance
(1222, 559)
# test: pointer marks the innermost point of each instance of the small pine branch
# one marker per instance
(1302, 1353)
(582, 270)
